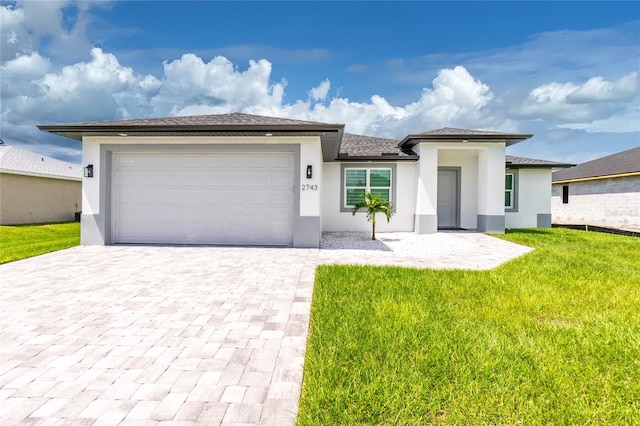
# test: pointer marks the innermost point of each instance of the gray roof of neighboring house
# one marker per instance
(524, 162)
(451, 134)
(20, 161)
(616, 164)
(359, 147)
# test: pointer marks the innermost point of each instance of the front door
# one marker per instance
(448, 198)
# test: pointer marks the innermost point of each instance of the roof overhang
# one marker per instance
(588, 178)
(382, 158)
(40, 175)
(538, 166)
(507, 138)
(330, 134)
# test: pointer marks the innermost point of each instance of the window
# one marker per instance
(357, 181)
(509, 192)
(565, 194)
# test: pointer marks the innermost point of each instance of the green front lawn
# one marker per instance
(22, 241)
(552, 337)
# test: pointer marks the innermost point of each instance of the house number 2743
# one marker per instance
(307, 187)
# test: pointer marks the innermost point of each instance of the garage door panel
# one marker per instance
(282, 161)
(281, 181)
(281, 216)
(281, 198)
(203, 198)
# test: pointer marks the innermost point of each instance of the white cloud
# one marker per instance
(456, 98)
(30, 65)
(597, 89)
(90, 90)
(190, 81)
(14, 38)
(596, 99)
(102, 88)
(320, 92)
(357, 68)
(626, 122)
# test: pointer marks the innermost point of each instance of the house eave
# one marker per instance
(330, 134)
(538, 166)
(508, 139)
(588, 178)
(383, 158)
(40, 175)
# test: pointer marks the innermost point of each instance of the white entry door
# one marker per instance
(447, 198)
(203, 198)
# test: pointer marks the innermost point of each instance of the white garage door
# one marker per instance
(203, 198)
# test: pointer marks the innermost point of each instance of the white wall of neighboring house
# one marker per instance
(533, 193)
(612, 202)
(334, 220)
(35, 199)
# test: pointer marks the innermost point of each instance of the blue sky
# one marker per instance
(565, 71)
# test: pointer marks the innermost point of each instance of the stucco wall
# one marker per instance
(31, 199)
(607, 202)
(335, 220)
(533, 203)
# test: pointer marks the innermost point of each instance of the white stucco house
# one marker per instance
(603, 192)
(244, 179)
(35, 188)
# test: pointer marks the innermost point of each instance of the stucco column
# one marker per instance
(307, 228)
(491, 172)
(92, 226)
(426, 220)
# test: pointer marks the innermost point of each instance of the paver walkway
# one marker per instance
(443, 250)
(140, 335)
(180, 335)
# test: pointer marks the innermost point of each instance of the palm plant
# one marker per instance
(372, 203)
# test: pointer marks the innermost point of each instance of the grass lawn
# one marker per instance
(552, 337)
(22, 241)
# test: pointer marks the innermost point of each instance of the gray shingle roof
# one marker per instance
(236, 118)
(364, 147)
(524, 162)
(352, 147)
(20, 161)
(451, 134)
(451, 131)
(623, 162)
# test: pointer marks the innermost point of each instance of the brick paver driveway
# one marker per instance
(138, 335)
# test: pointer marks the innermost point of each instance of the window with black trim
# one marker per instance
(565, 194)
(358, 180)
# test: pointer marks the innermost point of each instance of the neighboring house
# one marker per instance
(35, 188)
(247, 179)
(603, 192)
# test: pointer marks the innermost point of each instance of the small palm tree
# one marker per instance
(372, 205)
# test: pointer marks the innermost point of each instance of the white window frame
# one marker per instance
(367, 187)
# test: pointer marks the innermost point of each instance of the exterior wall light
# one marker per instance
(309, 172)
(88, 171)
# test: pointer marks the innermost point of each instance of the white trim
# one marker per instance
(42, 175)
(367, 187)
